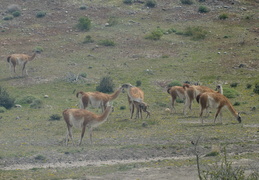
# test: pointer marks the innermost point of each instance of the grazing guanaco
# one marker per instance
(176, 91)
(20, 59)
(218, 101)
(82, 118)
(134, 94)
(96, 99)
(192, 91)
(140, 106)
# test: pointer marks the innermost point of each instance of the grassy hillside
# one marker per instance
(194, 47)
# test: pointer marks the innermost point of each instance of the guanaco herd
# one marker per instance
(82, 118)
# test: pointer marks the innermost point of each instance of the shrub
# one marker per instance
(256, 89)
(84, 75)
(25, 100)
(196, 32)
(233, 84)
(223, 16)
(40, 157)
(106, 85)
(230, 93)
(127, 1)
(122, 107)
(38, 49)
(36, 104)
(2, 109)
(106, 42)
(151, 3)
(189, 2)
(83, 7)
(203, 9)
(213, 153)
(16, 13)
(55, 117)
(248, 86)
(7, 18)
(74, 78)
(237, 104)
(41, 14)
(13, 7)
(155, 35)
(88, 39)
(138, 83)
(84, 24)
(174, 83)
(5, 100)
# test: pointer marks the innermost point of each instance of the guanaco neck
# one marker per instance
(103, 117)
(33, 56)
(231, 109)
(115, 94)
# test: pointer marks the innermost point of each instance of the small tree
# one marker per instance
(106, 85)
(5, 100)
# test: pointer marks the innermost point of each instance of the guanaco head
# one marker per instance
(239, 118)
(218, 87)
(185, 85)
(126, 86)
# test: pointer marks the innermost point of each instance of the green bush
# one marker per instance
(2, 109)
(40, 157)
(138, 83)
(151, 3)
(83, 7)
(88, 39)
(106, 85)
(230, 93)
(16, 13)
(55, 117)
(223, 16)
(237, 104)
(5, 100)
(189, 2)
(174, 83)
(233, 84)
(7, 18)
(127, 1)
(122, 107)
(248, 86)
(38, 49)
(197, 33)
(41, 14)
(84, 24)
(106, 42)
(36, 104)
(203, 9)
(155, 35)
(25, 100)
(256, 89)
(213, 153)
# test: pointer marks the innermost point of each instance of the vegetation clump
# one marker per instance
(5, 99)
(88, 39)
(155, 35)
(223, 16)
(41, 14)
(230, 93)
(106, 42)
(188, 2)
(106, 85)
(36, 104)
(203, 9)
(256, 88)
(84, 24)
(127, 1)
(55, 117)
(16, 13)
(151, 3)
(196, 32)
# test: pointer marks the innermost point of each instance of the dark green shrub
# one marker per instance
(223, 16)
(233, 84)
(236, 104)
(16, 13)
(203, 9)
(189, 2)
(122, 107)
(55, 117)
(248, 86)
(5, 100)
(127, 1)
(230, 93)
(88, 39)
(40, 157)
(36, 104)
(196, 32)
(155, 35)
(7, 18)
(84, 24)
(38, 49)
(84, 75)
(138, 83)
(83, 7)
(106, 42)
(174, 83)
(256, 89)
(151, 3)
(41, 14)
(106, 85)
(213, 153)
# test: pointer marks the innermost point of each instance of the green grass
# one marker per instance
(28, 133)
